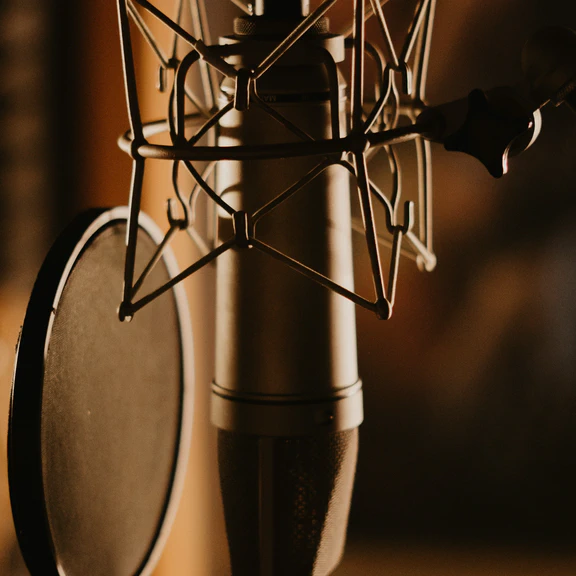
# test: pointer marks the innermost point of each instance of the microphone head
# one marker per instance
(286, 501)
(549, 64)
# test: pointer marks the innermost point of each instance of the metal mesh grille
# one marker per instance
(286, 501)
(111, 415)
(252, 27)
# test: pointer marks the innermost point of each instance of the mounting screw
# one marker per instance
(490, 130)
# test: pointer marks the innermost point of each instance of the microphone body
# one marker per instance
(286, 396)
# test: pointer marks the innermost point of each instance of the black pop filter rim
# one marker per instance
(24, 433)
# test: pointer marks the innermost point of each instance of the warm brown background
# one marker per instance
(467, 462)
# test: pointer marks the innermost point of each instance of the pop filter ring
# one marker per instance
(25, 469)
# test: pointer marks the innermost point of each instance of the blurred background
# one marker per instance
(467, 463)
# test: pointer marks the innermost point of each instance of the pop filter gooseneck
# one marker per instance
(549, 64)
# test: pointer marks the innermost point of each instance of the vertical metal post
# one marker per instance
(138, 137)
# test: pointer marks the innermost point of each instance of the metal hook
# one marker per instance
(174, 220)
(408, 217)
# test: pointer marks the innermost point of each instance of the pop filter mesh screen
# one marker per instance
(286, 501)
(111, 414)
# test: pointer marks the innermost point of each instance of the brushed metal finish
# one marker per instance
(286, 419)
(271, 322)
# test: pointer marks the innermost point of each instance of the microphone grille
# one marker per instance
(286, 501)
(249, 26)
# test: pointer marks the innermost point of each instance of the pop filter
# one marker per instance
(100, 413)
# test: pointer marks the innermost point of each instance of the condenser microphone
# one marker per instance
(287, 399)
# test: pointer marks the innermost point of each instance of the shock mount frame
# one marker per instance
(399, 98)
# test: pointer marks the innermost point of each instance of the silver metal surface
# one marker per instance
(281, 418)
(399, 92)
(263, 309)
